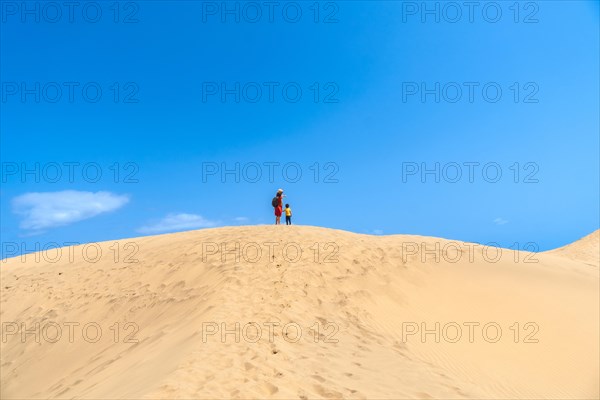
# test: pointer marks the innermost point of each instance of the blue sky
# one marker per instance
(359, 97)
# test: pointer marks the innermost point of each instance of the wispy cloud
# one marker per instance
(500, 221)
(377, 232)
(40, 211)
(177, 222)
(241, 219)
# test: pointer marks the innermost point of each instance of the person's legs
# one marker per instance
(277, 215)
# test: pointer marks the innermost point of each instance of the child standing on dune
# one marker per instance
(288, 215)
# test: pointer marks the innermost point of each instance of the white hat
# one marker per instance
(279, 190)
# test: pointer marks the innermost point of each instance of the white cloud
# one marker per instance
(500, 221)
(241, 219)
(177, 222)
(377, 232)
(41, 211)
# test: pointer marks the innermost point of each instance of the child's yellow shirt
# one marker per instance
(288, 212)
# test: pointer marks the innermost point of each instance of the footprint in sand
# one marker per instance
(269, 388)
(329, 394)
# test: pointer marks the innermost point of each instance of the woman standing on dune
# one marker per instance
(278, 205)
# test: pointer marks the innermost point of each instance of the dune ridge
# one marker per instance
(365, 317)
(586, 249)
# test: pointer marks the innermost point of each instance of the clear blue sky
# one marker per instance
(167, 60)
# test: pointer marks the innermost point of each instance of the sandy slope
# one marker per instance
(585, 249)
(364, 294)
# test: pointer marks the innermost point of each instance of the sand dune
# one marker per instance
(340, 315)
(586, 249)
